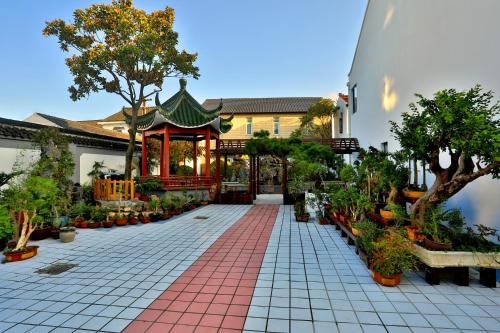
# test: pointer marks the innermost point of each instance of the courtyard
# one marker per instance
(227, 268)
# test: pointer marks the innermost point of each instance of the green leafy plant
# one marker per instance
(393, 253)
(369, 232)
(6, 227)
(433, 227)
(317, 201)
(300, 208)
(25, 200)
(81, 211)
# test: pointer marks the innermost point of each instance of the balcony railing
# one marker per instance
(185, 182)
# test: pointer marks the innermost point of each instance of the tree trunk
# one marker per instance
(424, 181)
(392, 195)
(415, 173)
(132, 131)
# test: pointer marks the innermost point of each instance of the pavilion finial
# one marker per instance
(183, 83)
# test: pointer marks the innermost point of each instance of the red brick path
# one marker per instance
(213, 295)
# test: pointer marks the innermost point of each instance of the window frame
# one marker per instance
(249, 122)
(276, 121)
(354, 98)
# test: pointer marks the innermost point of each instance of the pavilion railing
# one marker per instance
(107, 189)
(188, 182)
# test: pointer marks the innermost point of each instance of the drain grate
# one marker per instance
(200, 217)
(56, 268)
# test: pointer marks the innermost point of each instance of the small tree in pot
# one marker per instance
(465, 126)
(24, 201)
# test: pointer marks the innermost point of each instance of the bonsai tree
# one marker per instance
(25, 201)
(317, 121)
(122, 50)
(465, 126)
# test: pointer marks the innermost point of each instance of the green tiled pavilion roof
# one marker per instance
(183, 110)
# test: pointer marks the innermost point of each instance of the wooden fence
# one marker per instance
(107, 189)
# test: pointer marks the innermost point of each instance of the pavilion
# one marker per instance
(182, 118)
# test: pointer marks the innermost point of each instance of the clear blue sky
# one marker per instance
(246, 48)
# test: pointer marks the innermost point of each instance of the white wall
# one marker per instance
(12, 151)
(424, 46)
(112, 160)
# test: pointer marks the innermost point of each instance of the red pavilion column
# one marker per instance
(166, 153)
(144, 171)
(161, 159)
(195, 158)
(217, 164)
(207, 152)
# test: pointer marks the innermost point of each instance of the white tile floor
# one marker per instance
(120, 272)
(312, 281)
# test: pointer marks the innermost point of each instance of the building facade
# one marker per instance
(408, 47)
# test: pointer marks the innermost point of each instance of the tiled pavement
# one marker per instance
(310, 281)
(215, 292)
(121, 271)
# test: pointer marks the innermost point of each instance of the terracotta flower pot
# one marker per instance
(414, 233)
(323, 221)
(145, 219)
(355, 232)
(386, 280)
(435, 246)
(39, 234)
(82, 224)
(413, 196)
(302, 218)
(178, 211)
(387, 215)
(28, 252)
(132, 221)
(121, 222)
(191, 207)
(94, 225)
(107, 224)
(165, 216)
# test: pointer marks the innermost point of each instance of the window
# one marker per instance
(384, 146)
(341, 122)
(276, 125)
(354, 97)
(249, 126)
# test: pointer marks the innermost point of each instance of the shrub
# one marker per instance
(393, 253)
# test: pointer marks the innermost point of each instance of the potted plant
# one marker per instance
(144, 217)
(154, 205)
(368, 233)
(436, 236)
(67, 234)
(392, 254)
(120, 219)
(98, 216)
(301, 214)
(316, 200)
(132, 219)
(179, 203)
(81, 214)
(6, 227)
(167, 206)
(109, 221)
(24, 201)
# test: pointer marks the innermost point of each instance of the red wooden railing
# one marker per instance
(182, 182)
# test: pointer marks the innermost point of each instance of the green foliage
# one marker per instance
(167, 203)
(97, 170)
(300, 208)
(433, 228)
(317, 200)
(368, 234)
(348, 174)
(122, 50)
(317, 122)
(81, 211)
(99, 214)
(148, 186)
(6, 227)
(393, 253)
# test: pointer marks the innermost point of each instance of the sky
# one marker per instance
(246, 48)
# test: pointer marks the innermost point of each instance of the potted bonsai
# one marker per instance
(144, 217)
(316, 200)
(436, 236)
(132, 219)
(120, 219)
(98, 216)
(167, 206)
(24, 201)
(179, 203)
(392, 254)
(301, 214)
